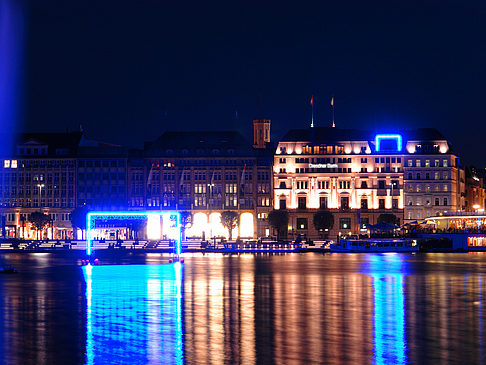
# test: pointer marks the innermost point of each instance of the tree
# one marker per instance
(137, 224)
(78, 219)
(230, 220)
(279, 219)
(22, 225)
(186, 218)
(323, 220)
(389, 218)
(39, 221)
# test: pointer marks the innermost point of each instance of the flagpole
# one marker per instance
(312, 111)
(332, 112)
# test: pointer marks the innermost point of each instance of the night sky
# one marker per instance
(129, 70)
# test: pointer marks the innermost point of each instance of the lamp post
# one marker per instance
(40, 186)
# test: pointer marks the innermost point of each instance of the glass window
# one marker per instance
(417, 163)
(344, 223)
(302, 202)
(301, 223)
(410, 163)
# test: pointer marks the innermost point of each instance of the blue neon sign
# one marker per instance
(91, 216)
(379, 138)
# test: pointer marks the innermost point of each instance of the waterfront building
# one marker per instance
(204, 174)
(39, 174)
(359, 175)
(54, 173)
(475, 192)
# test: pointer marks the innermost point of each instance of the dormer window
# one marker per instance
(231, 151)
(215, 152)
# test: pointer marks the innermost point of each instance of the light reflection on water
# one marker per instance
(388, 272)
(284, 309)
(134, 314)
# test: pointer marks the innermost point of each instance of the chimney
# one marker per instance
(261, 132)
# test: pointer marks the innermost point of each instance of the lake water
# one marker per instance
(282, 309)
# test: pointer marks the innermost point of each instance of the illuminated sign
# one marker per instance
(388, 142)
(323, 165)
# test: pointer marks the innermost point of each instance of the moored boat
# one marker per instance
(375, 245)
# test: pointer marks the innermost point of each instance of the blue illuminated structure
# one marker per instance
(172, 215)
(388, 272)
(379, 138)
(138, 320)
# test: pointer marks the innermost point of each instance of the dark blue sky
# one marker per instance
(129, 70)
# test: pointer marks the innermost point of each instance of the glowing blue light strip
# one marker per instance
(92, 215)
(380, 137)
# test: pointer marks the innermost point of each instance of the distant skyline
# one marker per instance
(127, 71)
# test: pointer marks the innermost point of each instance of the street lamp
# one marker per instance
(476, 207)
(40, 186)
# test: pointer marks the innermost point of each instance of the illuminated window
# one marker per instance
(14, 164)
(410, 163)
(417, 163)
(444, 163)
(301, 223)
(344, 223)
(427, 163)
(6, 164)
(445, 188)
(436, 163)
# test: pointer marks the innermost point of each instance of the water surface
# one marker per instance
(282, 309)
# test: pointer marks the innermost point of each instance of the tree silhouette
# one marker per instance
(186, 218)
(323, 220)
(229, 220)
(388, 218)
(39, 221)
(279, 219)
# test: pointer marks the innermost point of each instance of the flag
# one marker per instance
(182, 177)
(242, 181)
(312, 100)
(149, 180)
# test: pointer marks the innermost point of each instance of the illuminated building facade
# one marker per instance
(358, 175)
(39, 174)
(54, 173)
(475, 192)
(205, 173)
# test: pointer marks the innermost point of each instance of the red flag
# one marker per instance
(312, 100)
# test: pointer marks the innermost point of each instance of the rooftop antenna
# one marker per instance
(332, 112)
(312, 111)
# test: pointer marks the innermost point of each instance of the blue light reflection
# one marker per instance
(388, 272)
(134, 314)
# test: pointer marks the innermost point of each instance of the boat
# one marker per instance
(374, 245)
(7, 270)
